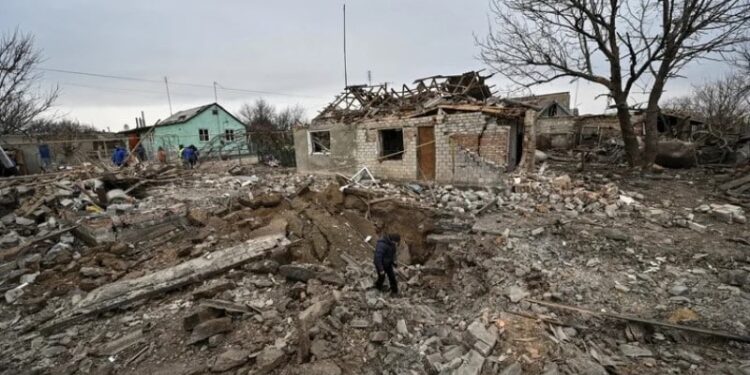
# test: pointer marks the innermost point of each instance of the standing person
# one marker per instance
(119, 156)
(161, 155)
(187, 157)
(194, 159)
(385, 260)
(180, 149)
(46, 156)
(141, 152)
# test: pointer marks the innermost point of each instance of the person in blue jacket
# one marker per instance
(188, 155)
(385, 260)
(119, 156)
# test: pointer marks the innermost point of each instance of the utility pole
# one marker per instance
(169, 99)
(346, 79)
(369, 78)
(216, 97)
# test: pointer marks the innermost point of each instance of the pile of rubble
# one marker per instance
(257, 271)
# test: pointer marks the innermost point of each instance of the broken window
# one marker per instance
(392, 144)
(203, 135)
(229, 135)
(320, 142)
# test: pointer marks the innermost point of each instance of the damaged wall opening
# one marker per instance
(320, 142)
(391, 144)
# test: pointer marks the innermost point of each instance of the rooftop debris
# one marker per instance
(467, 91)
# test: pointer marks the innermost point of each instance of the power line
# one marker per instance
(126, 78)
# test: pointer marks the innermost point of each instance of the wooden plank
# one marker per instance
(735, 183)
(123, 292)
(630, 318)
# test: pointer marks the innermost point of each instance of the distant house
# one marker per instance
(211, 128)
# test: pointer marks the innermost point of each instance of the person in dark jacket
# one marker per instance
(187, 157)
(385, 260)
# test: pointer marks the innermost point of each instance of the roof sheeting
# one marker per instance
(184, 116)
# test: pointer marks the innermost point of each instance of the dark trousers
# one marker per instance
(387, 271)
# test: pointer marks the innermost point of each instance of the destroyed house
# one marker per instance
(449, 129)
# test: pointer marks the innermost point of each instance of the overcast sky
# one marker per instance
(292, 48)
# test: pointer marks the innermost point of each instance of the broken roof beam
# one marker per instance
(123, 292)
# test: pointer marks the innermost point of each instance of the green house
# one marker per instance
(210, 128)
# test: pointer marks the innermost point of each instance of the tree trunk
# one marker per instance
(626, 128)
(651, 119)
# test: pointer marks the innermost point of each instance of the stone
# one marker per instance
(472, 365)
(401, 328)
(117, 196)
(481, 338)
(53, 351)
(634, 351)
(29, 261)
(296, 272)
(325, 367)
(14, 294)
(201, 315)
(377, 318)
(268, 359)
(59, 254)
(582, 365)
(455, 351)
(359, 323)
(562, 182)
(94, 272)
(230, 359)
(322, 349)
(29, 278)
(24, 221)
(379, 336)
(513, 369)
(551, 368)
(697, 227)
(316, 311)
(209, 328)
(434, 362)
(10, 239)
(735, 277)
(678, 290)
(212, 289)
(516, 293)
(615, 234)
(265, 266)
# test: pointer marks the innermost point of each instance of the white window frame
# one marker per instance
(310, 142)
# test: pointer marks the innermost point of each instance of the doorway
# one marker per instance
(426, 153)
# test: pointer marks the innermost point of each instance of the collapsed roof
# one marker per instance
(462, 92)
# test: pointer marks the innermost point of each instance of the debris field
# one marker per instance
(257, 270)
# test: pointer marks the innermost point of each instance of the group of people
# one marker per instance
(188, 155)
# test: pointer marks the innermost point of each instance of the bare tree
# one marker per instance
(270, 131)
(260, 115)
(723, 104)
(614, 43)
(287, 118)
(21, 101)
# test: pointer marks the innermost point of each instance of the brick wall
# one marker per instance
(470, 148)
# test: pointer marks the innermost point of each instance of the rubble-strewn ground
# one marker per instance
(663, 247)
